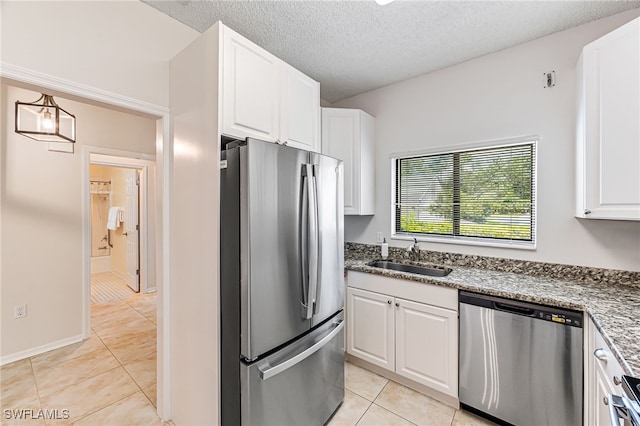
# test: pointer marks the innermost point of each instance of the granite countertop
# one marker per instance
(614, 308)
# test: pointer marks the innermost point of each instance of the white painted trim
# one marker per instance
(164, 181)
(105, 157)
(146, 210)
(164, 178)
(469, 241)
(447, 149)
(7, 359)
(146, 164)
(24, 75)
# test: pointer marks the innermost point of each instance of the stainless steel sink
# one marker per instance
(414, 269)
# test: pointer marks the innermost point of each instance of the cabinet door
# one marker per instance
(349, 135)
(299, 109)
(370, 327)
(250, 89)
(427, 345)
(603, 376)
(609, 128)
(601, 395)
(340, 139)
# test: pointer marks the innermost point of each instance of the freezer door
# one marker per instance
(329, 297)
(271, 293)
(302, 384)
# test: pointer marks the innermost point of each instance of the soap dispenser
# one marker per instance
(384, 249)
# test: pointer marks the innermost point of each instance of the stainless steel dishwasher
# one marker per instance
(520, 363)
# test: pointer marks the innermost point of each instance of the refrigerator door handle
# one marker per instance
(267, 373)
(304, 240)
(313, 240)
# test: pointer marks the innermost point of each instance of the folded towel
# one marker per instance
(116, 217)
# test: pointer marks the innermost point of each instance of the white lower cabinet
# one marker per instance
(601, 390)
(416, 340)
(604, 373)
(427, 345)
(371, 327)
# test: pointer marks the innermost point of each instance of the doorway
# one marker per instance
(120, 257)
(115, 232)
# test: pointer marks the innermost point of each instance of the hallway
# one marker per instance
(108, 379)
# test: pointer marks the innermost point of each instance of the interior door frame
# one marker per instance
(35, 80)
(145, 163)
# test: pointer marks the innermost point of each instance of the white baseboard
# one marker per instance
(17, 356)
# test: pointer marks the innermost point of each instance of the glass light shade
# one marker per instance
(43, 120)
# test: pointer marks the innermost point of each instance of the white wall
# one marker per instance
(500, 96)
(123, 47)
(195, 221)
(41, 220)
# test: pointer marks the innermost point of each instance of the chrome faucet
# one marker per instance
(414, 250)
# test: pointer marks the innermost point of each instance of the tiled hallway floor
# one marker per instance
(372, 400)
(108, 379)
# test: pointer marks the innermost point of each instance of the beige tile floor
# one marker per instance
(372, 400)
(108, 379)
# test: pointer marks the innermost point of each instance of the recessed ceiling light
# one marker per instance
(383, 2)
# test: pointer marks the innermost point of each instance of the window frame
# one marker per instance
(465, 240)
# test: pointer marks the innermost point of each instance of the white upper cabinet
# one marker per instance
(299, 109)
(250, 89)
(349, 135)
(608, 131)
(265, 98)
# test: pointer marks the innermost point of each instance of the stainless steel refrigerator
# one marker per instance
(282, 289)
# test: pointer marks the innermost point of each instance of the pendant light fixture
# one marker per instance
(44, 120)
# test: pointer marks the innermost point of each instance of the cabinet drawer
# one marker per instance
(430, 294)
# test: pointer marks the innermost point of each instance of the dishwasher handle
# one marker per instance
(520, 310)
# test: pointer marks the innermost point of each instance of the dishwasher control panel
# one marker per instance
(560, 318)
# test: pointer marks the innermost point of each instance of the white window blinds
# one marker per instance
(484, 193)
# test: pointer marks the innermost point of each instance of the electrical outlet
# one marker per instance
(20, 311)
(379, 237)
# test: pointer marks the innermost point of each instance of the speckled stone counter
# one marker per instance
(614, 307)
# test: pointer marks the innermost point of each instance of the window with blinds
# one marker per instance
(481, 194)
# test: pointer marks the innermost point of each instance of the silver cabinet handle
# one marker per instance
(587, 211)
(274, 370)
(616, 381)
(605, 400)
(389, 301)
(600, 354)
(397, 305)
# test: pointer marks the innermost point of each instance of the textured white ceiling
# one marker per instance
(351, 47)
